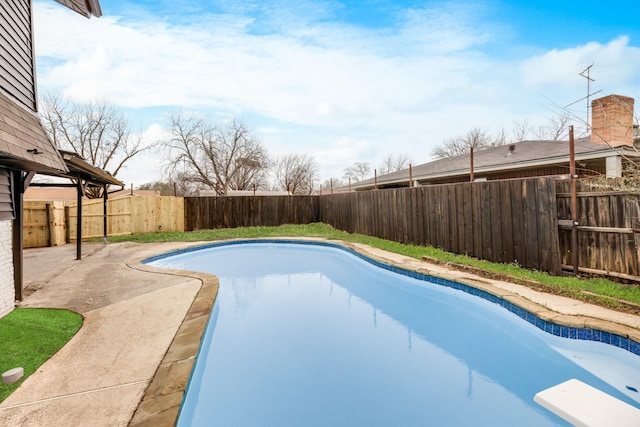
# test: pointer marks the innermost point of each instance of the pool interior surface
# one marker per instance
(314, 335)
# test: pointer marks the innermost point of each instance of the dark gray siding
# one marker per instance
(17, 75)
(6, 200)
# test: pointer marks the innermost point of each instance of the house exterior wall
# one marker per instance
(590, 169)
(612, 120)
(614, 167)
(7, 290)
(17, 78)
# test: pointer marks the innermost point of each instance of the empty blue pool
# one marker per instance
(306, 334)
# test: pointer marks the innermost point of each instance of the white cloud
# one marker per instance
(616, 67)
(340, 92)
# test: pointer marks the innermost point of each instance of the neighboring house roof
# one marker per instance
(86, 8)
(23, 141)
(525, 154)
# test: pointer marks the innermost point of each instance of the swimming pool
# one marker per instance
(315, 335)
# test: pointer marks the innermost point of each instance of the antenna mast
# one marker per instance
(589, 80)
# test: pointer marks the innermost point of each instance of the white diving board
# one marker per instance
(583, 405)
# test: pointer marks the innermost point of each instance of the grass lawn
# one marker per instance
(30, 336)
(597, 290)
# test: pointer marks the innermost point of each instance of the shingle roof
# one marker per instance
(24, 142)
(525, 153)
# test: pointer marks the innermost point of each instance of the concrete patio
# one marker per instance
(131, 318)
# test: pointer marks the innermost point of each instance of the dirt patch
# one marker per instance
(31, 288)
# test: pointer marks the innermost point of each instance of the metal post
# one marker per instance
(375, 179)
(471, 178)
(574, 202)
(79, 220)
(104, 211)
(18, 234)
(410, 176)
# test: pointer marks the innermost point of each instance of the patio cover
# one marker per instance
(83, 175)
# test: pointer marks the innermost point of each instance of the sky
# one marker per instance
(343, 81)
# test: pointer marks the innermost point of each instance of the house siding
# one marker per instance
(6, 196)
(7, 290)
(17, 75)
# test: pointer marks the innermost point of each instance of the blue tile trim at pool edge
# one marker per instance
(585, 334)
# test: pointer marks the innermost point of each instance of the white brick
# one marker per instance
(7, 290)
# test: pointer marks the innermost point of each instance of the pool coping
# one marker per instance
(160, 404)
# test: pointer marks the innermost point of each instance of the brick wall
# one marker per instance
(7, 291)
(612, 120)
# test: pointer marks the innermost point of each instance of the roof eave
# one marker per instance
(94, 8)
(21, 163)
(75, 162)
(526, 164)
(86, 8)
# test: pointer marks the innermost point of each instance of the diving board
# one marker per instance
(583, 405)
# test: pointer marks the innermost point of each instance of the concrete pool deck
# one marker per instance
(130, 361)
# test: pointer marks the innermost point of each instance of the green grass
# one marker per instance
(607, 291)
(30, 336)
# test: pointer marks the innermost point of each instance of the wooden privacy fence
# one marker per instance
(502, 221)
(608, 230)
(204, 213)
(54, 223)
(43, 224)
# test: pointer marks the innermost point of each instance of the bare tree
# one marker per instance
(521, 131)
(173, 186)
(222, 158)
(554, 130)
(477, 138)
(500, 138)
(95, 131)
(332, 184)
(296, 173)
(358, 172)
(392, 163)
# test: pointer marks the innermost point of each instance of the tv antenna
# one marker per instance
(586, 73)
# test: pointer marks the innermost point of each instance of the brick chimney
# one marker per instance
(612, 120)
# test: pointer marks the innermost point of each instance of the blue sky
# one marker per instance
(342, 81)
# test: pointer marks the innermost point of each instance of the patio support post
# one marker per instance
(79, 219)
(17, 233)
(104, 211)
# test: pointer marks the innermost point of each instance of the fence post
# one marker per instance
(67, 225)
(49, 227)
(574, 203)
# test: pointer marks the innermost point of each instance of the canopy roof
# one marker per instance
(78, 167)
